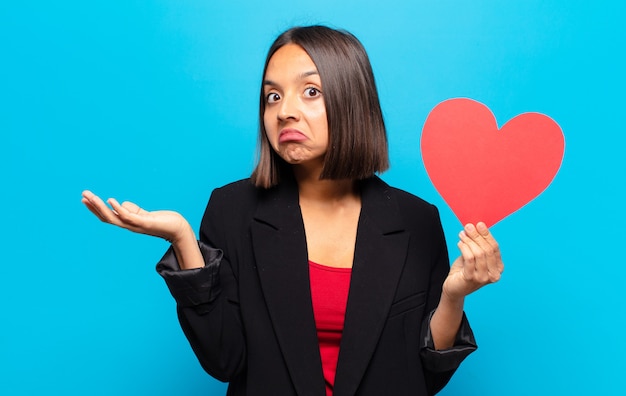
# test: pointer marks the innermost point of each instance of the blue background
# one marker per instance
(156, 102)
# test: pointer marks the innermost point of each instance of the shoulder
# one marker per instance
(394, 208)
(239, 200)
(413, 214)
(237, 189)
(409, 199)
(230, 208)
(404, 200)
(232, 198)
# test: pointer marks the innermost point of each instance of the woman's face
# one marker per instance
(295, 114)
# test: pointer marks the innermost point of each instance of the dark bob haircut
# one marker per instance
(357, 145)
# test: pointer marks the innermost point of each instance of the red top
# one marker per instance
(329, 292)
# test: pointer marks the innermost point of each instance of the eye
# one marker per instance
(312, 92)
(272, 97)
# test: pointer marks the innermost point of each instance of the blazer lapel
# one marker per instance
(280, 251)
(380, 253)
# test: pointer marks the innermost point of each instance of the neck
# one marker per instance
(311, 188)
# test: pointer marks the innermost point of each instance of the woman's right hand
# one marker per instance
(165, 224)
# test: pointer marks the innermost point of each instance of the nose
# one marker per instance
(288, 108)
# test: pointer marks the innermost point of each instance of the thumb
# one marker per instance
(131, 207)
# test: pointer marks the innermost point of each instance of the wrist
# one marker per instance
(445, 322)
(451, 302)
(186, 248)
(183, 236)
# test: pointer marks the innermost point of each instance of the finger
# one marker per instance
(481, 238)
(122, 212)
(473, 233)
(127, 214)
(489, 264)
(96, 206)
(106, 213)
(475, 266)
(496, 265)
(483, 231)
(131, 207)
(469, 261)
(479, 256)
(99, 208)
(475, 243)
(92, 209)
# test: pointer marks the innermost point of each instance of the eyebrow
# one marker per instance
(302, 76)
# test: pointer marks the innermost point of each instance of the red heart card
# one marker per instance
(485, 173)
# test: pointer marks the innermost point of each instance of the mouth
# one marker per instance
(291, 135)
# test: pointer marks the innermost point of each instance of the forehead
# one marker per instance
(290, 59)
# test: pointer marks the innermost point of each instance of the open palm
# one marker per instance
(165, 224)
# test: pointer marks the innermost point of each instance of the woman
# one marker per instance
(314, 275)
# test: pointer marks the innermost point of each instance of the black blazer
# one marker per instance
(248, 313)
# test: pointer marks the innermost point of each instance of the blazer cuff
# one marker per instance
(196, 286)
(446, 359)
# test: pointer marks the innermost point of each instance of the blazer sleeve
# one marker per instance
(441, 364)
(207, 302)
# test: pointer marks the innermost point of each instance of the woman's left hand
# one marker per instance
(480, 262)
